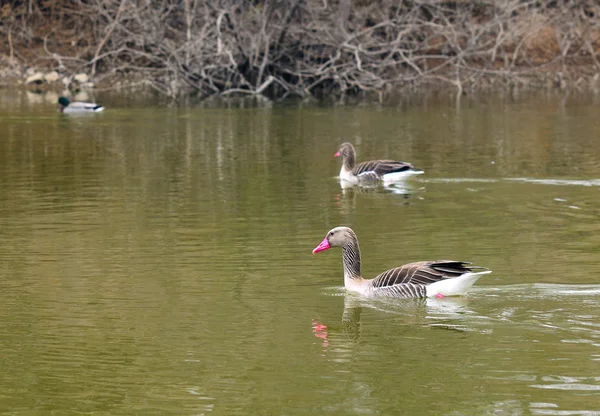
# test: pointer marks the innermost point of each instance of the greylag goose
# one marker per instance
(389, 171)
(66, 106)
(414, 280)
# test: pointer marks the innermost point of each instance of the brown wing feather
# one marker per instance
(404, 290)
(381, 167)
(424, 272)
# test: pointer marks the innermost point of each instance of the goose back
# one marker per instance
(381, 167)
(424, 272)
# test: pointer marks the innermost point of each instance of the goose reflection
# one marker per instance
(404, 195)
(449, 313)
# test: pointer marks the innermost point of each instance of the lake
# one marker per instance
(156, 260)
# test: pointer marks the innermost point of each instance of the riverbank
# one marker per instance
(301, 48)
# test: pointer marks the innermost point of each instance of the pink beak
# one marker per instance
(323, 246)
(337, 154)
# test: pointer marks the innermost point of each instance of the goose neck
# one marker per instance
(351, 260)
(349, 160)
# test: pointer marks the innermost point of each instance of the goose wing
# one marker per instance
(402, 290)
(423, 273)
(381, 167)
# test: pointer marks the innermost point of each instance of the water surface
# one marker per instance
(157, 260)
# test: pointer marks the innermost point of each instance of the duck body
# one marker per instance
(422, 279)
(66, 106)
(372, 171)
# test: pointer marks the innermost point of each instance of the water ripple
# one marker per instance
(562, 182)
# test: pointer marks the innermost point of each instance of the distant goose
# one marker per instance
(78, 107)
(389, 171)
(414, 280)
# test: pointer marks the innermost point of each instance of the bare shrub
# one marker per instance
(304, 47)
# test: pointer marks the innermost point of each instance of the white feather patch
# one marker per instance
(456, 286)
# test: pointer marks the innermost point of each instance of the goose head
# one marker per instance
(348, 155)
(337, 237)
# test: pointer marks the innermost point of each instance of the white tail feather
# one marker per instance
(456, 286)
(400, 176)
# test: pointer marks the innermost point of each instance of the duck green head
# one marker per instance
(63, 101)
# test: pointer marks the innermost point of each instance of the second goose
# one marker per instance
(389, 171)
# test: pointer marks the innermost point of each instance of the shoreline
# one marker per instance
(40, 81)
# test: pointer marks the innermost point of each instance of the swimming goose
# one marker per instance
(389, 171)
(66, 106)
(414, 280)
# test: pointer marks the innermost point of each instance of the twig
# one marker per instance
(10, 45)
(110, 29)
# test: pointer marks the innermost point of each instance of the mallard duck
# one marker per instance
(389, 171)
(413, 280)
(66, 106)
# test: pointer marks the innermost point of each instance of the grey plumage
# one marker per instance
(371, 170)
(407, 281)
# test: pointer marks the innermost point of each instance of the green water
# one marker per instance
(157, 260)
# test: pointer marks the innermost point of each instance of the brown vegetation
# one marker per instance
(303, 47)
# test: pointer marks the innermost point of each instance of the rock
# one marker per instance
(88, 85)
(30, 71)
(36, 78)
(52, 76)
(81, 78)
